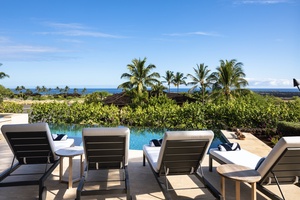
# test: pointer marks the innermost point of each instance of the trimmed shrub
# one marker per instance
(10, 107)
(288, 128)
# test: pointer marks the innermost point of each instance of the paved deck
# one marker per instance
(142, 182)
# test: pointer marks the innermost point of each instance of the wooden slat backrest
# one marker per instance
(181, 156)
(105, 151)
(31, 147)
(287, 167)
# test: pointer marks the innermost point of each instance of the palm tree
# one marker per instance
(202, 77)
(229, 76)
(178, 80)
(28, 92)
(158, 89)
(140, 77)
(66, 90)
(3, 75)
(83, 91)
(43, 89)
(58, 89)
(20, 90)
(168, 78)
(38, 89)
(126, 86)
(75, 90)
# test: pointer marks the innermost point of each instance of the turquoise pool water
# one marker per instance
(138, 136)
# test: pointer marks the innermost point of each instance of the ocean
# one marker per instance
(115, 90)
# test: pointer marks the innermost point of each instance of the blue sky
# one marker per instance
(89, 43)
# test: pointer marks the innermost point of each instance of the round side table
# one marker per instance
(70, 152)
(239, 174)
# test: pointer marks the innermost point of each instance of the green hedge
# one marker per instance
(76, 113)
(10, 107)
(288, 128)
(250, 111)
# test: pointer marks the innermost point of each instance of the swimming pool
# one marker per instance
(138, 136)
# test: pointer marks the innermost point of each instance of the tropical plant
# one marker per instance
(168, 78)
(66, 89)
(139, 76)
(229, 76)
(83, 91)
(2, 74)
(28, 92)
(57, 88)
(75, 91)
(158, 89)
(250, 111)
(10, 107)
(38, 89)
(96, 97)
(138, 99)
(202, 78)
(5, 92)
(20, 90)
(44, 89)
(178, 80)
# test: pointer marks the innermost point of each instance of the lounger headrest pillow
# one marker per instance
(229, 147)
(59, 137)
(259, 162)
(155, 143)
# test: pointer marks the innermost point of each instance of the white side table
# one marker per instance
(70, 152)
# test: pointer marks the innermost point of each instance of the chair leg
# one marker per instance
(210, 163)
(277, 182)
(42, 192)
(78, 196)
(127, 186)
(144, 160)
(79, 188)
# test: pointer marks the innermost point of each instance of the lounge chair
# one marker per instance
(34, 155)
(181, 152)
(280, 166)
(105, 149)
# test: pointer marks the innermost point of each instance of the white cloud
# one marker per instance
(75, 30)
(269, 82)
(81, 33)
(260, 1)
(32, 53)
(26, 49)
(71, 41)
(4, 39)
(193, 33)
(64, 25)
